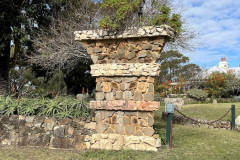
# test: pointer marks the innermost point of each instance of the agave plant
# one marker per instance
(11, 106)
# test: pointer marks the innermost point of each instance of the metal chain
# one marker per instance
(202, 122)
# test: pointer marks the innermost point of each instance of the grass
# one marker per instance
(209, 111)
(188, 143)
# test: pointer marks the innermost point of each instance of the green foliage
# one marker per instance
(59, 107)
(162, 135)
(174, 65)
(117, 12)
(215, 84)
(121, 9)
(197, 94)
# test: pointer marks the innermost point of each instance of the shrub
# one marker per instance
(162, 135)
(58, 107)
(197, 94)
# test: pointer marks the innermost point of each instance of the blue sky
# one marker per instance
(218, 22)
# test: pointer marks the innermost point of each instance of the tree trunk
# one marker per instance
(4, 61)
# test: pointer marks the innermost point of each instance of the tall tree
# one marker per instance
(17, 20)
(175, 64)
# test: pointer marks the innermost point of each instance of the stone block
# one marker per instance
(109, 96)
(148, 131)
(150, 121)
(96, 145)
(94, 59)
(99, 96)
(129, 130)
(58, 131)
(105, 144)
(118, 144)
(149, 140)
(115, 86)
(60, 142)
(134, 120)
(29, 119)
(65, 121)
(91, 125)
(119, 95)
(23, 141)
(142, 115)
(142, 87)
(79, 142)
(121, 53)
(126, 120)
(110, 131)
(69, 131)
(143, 123)
(42, 141)
(98, 87)
(132, 85)
(106, 87)
(127, 95)
(149, 96)
(150, 87)
(107, 113)
(101, 128)
(38, 120)
(123, 86)
(97, 50)
(114, 119)
(119, 129)
(138, 133)
(137, 96)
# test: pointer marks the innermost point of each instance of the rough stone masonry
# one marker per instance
(124, 67)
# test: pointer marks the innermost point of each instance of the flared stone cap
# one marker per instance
(146, 31)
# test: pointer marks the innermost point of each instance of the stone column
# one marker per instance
(124, 67)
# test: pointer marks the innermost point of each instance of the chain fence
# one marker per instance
(202, 122)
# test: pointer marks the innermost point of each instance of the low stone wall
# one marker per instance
(201, 123)
(106, 130)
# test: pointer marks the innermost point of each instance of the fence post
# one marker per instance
(233, 117)
(169, 120)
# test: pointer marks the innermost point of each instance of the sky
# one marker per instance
(218, 22)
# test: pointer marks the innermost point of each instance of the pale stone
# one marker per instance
(142, 87)
(148, 131)
(150, 120)
(99, 117)
(109, 96)
(91, 125)
(101, 128)
(123, 86)
(147, 47)
(130, 146)
(95, 137)
(118, 144)
(149, 96)
(110, 131)
(119, 95)
(97, 50)
(21, 117)
(138, 133)
(58, 131)
(94, 58)
(69, 130)
(126, 120)
(87, 138)
(105, 144)
(88, 145)
(137, 96)
(95, 145)
(106, 86)
(149, 140)
(237, 120)
(29, 119)
(129, 130)
(99, 96)
(127, 95)
(119, 129)
(150, 87)
(142, 114)
(98, 87)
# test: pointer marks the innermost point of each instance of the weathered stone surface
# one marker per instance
(114, 119)
(23, 141)
(115, 86)
(148, 131)
(109, 96)
(59, 142)
(98, 87)
(150, 121)
(237, 120)
(118, 144)
(123, 86)
(138, 133)
(79, 142)
(91, 125)
(129, 105)
(142, 87)
(149, 96)
(106, 87)
(129, 130)
(58, 131)
(150, 140)
(119, 95)
(132, 85)
(110, 131)
(29, 119)
(150, 87)
(49, 123)
(65, 121)
(42, 141)
(126, 120)
(69, 131)
(127, 95)
(137, 96)
(147, 47)
(101, 128)
(134, 120)
(99, 96)
(119, 129)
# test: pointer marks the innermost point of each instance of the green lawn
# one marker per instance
(188, 143)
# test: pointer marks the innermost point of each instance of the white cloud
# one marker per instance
(219, 23)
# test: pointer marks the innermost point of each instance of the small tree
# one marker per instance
(197, 94)
(216, 83)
